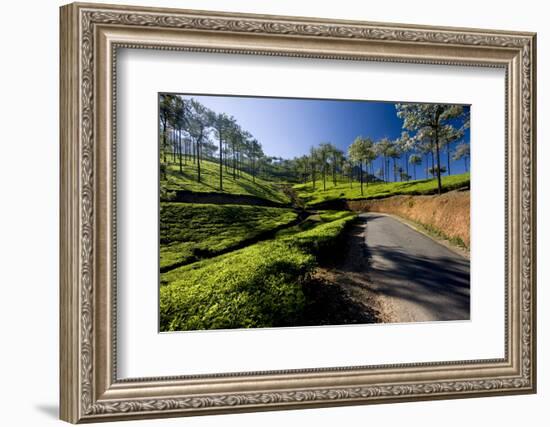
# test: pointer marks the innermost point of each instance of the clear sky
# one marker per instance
(289, 127)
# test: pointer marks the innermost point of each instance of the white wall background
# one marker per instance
(29, 170)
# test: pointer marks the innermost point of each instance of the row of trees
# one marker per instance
(190, 133)
(428, 130)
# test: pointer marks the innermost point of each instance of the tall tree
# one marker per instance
(424, 144)
(348, 170)
(166, 114)
(313, 163)
(234, 137)
(417, 117)
(360, 151)
(180, 122)
(415, 160)
(405, 144)
(394, 153)
(324, 152)
(302, 168)
(199, 124)
(383, 148)
(462, 151)
(255, 153)
(336, 157)
(221, 124)
(448, 136)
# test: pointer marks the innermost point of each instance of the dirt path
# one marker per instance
(342, 294)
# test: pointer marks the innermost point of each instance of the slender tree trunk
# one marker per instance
(163, 169)
(324, 177)
(438, 161)
(184, 152)
(221, 159)
(448, 160)
(174, 137)
(361, 175)
(433, 165)
(427, 160)
(179, 151)
(199, 142)
(164, 149)
(313, 177)
(234, 162)
(226, 162)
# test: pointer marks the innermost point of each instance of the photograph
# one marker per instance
(286, 212)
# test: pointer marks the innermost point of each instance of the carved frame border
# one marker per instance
(89, 387)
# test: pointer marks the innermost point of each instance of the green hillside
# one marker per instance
(189, 232)
(342, 189)
(257, 286)
(210, 182)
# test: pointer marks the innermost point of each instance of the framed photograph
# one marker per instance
(266, 212)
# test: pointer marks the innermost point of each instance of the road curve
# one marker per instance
(420, 279)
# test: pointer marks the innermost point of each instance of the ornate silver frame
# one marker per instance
(90, 35)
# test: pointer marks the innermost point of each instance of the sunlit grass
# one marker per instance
(257, 286)
(210, 181)
(189, 232)
(342, 189)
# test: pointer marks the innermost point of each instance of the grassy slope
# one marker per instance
(258, 286)
(374, 190)
(187, 230)
(210, 182)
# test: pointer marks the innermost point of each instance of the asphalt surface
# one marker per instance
(420, 279)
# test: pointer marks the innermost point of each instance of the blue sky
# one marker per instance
(289, 127)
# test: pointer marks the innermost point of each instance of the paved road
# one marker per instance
(420, 279)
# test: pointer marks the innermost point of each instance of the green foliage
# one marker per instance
(361, 150)
(210, 178)
(462, 150)
(258, 286)
(320, 218)
(166, 195)
(323, 239)
(378, 189)
(191, 231)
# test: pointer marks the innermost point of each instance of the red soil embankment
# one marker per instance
(448, 213)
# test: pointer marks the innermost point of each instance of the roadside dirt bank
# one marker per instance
(448, 213)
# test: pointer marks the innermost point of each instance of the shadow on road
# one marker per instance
(438, 283)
